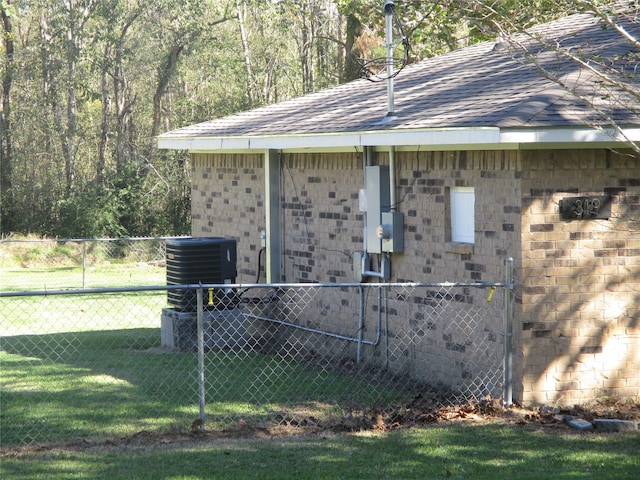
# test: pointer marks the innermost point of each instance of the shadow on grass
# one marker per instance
(485, 451)
(97, 384)
(84, 384)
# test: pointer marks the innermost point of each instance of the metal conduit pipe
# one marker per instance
(386, 328)
(392, 178)
(359, 339)
(315, 330)
(389, 9)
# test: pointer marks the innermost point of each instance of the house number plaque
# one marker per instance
(585, 208)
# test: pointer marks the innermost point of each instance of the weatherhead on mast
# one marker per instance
(389, 6)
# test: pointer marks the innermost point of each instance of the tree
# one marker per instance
(114, 28)
(184, 23)
(100, 80)
(609, 83)
(6, 13)
(63, 27)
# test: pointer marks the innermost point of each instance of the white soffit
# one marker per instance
(432, 139)
(332, 141)
(560, 136)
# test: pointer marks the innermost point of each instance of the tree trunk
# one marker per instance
(351, 65)
(123, 112)
(105, 123)
(69, 133)
(164, 76)
(124, 105)
(305, 60)
(5, 106)
(248, 70)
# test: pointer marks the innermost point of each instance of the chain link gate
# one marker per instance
(93, 363)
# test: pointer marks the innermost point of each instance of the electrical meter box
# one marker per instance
(377, 201)
(392, 232)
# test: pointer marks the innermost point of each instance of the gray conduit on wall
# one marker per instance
(357, 339)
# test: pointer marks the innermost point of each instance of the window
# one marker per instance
(463, 201)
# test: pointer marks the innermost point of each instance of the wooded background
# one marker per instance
(87, 85)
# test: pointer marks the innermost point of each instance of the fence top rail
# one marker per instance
(239, 286)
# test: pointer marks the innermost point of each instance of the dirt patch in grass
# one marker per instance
(301, 422)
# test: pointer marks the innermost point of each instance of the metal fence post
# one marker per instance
(360, 322)
(200, 327)
(84, 263)
(507, 396)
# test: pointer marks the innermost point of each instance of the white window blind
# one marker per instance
(463, 201)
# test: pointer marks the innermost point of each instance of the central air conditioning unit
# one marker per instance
(200, 260)
(203, 261)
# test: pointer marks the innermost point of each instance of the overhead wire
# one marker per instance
(367, 65)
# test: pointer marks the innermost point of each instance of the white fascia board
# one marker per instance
(439, 136)
(472, 137)
(178, 143)
(559, 136)
(429, 139)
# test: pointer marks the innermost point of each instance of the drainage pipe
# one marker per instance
(392, 178)
(507, 367)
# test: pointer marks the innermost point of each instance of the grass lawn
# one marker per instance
(116, 274)
(30, 264)
(85, 373)
(96, 384)
(471, 451)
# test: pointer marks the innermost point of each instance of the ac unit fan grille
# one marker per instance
(210, 260)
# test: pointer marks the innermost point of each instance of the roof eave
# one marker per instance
(461, 138)
(569, 137)
(333, 141)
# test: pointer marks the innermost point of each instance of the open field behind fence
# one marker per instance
(106, 362)
(51, 264)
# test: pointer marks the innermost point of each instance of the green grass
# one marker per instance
(96, 384)
(89, 367)
(477, 452)
(90, 384)
(77, 313)
(112, 274)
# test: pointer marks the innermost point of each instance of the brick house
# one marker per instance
(485, 158)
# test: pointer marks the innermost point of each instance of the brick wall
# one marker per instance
(324, 224)
(577, 319)
(322, 227)
(425, 179)
(580, 279)
(321, 219)
(228, 201)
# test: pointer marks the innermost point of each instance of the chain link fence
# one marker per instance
(50, 264)
(98, 363)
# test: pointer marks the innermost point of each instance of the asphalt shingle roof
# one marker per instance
(476, 86)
